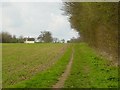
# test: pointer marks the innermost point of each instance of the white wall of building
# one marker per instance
(29, 42)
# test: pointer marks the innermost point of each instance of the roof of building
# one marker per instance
(30, 39)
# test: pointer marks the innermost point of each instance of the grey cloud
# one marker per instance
(28, 19)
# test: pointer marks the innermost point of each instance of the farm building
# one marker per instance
(29, 40)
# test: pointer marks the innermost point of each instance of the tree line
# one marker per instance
(44, 37)
(6, 37)
(97, 23)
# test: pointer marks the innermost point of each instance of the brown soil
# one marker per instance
(64, 76)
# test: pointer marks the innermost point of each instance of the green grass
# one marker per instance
(21, 62)
(41, 65)
(90, 70)
(49, 77)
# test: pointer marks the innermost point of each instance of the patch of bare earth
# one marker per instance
(64, 76)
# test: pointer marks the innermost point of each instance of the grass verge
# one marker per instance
(90, 70)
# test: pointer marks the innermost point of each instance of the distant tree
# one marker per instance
(14, 39)
(68, 41)
(0, 37)
(74, 40)
(6, 37)
(45, 36)
(55, 40)
(63, 41)
(20, 39)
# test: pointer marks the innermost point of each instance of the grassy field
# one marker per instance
(90, 70)
(41, 66)
(23, 61)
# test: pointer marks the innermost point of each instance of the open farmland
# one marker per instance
(22, 61)
(56, 66)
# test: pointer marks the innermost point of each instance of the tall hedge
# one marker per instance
(97, 23)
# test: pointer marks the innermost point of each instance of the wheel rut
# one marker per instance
(61, 80)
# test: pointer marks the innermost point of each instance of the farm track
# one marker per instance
(61, 80)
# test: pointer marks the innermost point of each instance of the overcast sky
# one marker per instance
(30, 18)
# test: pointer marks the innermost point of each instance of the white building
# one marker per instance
(29, 40)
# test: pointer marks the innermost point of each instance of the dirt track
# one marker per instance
(64, 76)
